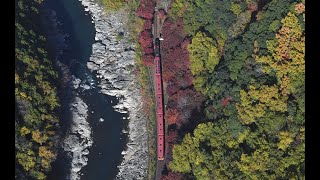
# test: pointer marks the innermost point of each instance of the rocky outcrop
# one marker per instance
(79, 138)
(112, 60)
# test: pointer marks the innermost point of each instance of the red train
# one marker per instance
(159, 100)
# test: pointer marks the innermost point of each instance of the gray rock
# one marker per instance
(98, 48)
(85, 86)
(78, 139)
(112, 59)
(75, 82)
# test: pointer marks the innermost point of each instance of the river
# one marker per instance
(106, 124)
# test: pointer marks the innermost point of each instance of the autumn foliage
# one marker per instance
(146, 9)
(147, 59)
(225, 101)
(145, 37)
(173, 176)
(183, 99)
(162, 14)
(181, 104)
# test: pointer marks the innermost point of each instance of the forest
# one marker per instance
(36, 100)
(234, 75)
(247, 59)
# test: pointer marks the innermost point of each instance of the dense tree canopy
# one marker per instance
(247, 58)
(36, 98)
(204, 57)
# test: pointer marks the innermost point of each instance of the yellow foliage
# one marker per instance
(257, 162)
(39, 137)
(204, 56)
(288, 51)
(45, 152)
(23, 95)
(47, 156)
(27, 160)
(177, 8)
(243, 136)
(24, 130)
(285, 140)
(236, 8)
(255, 102)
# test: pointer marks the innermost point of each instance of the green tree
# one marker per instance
(27, 160)
(287, 58)
(285, 140)
(255, 102)
(24, 130)
(204, 57)
(235, 8)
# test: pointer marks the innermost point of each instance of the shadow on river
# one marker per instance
(108, 139)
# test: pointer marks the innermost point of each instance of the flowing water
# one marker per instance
(106, 124)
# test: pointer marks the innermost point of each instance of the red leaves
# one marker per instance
(145, 13)
(145, 39)
(172, 34)
(171, 139)
(176, 62)
(181, 104)
(162, 14)
(225, 101)
(147, 59)
(148, 50)
(176, 73)
(173, 176)
(171, 116)
(176, 69)
(146, 9)
(147, 25)
(172, 86)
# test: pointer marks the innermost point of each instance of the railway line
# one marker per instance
(158, 93)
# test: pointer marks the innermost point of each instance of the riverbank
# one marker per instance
(95, 134)
(113, 61)
(76, 132)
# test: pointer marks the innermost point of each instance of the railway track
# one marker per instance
(158, 94)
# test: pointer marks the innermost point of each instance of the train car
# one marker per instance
(159, 102)
(160, 147)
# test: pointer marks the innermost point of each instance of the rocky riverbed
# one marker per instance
(113, 61)
(77, 138)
